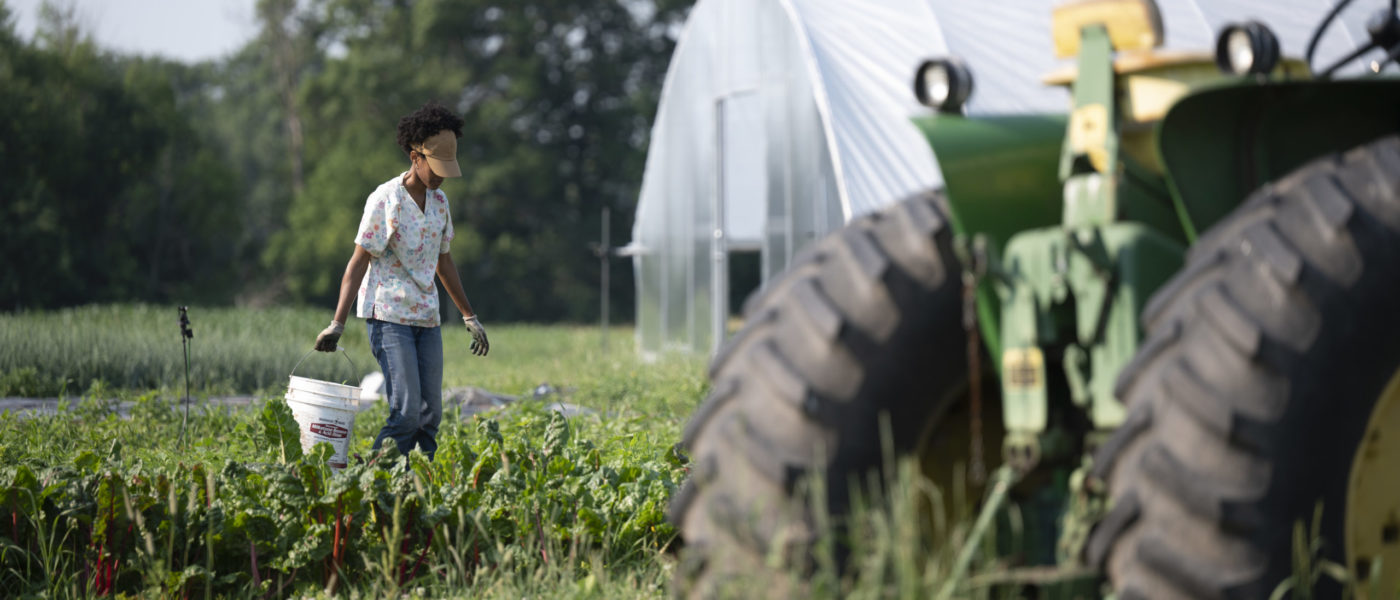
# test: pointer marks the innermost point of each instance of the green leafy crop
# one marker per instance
(254, 515)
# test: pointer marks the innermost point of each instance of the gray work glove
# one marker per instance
(330, 336)
(479, 343)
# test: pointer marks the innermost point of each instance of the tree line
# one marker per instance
(241, 180)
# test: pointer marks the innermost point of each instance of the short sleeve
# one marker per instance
(447, 230)
(377, 224)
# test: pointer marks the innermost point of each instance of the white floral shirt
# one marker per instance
(405, 243)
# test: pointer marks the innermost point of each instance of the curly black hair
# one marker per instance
(426, 122)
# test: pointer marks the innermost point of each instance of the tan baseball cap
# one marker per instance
(441, 152)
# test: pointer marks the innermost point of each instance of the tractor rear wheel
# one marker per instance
(1267, 390)
(862, 334)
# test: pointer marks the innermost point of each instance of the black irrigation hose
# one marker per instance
(1327, 73)
(1331, 16)
(1390, 57)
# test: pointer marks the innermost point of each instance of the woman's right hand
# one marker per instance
(327, 340)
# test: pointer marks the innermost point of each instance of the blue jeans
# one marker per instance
(411, 359)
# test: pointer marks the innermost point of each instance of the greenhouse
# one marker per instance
(780, 120)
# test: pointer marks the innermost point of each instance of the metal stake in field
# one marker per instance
(603, 250)
(186, 334)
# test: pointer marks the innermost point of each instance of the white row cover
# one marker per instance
(780, 120)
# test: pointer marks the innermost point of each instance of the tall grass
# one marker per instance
(138, 347)
(238, 350)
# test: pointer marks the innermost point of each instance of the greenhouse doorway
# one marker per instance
(740, 204)
(745, 277)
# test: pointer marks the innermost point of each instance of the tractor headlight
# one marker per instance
(943, 84)
(1246, 49)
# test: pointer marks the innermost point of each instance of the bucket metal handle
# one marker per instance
(338, 347)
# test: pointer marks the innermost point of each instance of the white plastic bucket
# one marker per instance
(325, 412)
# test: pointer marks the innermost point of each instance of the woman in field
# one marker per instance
(402, 242)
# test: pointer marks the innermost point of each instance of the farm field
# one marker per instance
(519, 502)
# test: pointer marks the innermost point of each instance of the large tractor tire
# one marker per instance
(1267, 385)
(863, 333)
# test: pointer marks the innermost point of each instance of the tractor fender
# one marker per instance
(1220, 144)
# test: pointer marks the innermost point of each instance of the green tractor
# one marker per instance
(1178, 307)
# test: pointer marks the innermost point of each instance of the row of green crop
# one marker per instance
(139, 347)
(243, 350)
(520, 488)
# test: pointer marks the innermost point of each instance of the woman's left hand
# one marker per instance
(480, 345)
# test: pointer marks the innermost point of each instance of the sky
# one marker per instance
(184, 30)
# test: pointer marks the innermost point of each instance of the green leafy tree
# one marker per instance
(111, 192)
(243, 179)
(558, 99)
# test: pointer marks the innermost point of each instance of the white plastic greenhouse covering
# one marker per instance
(780, 120)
